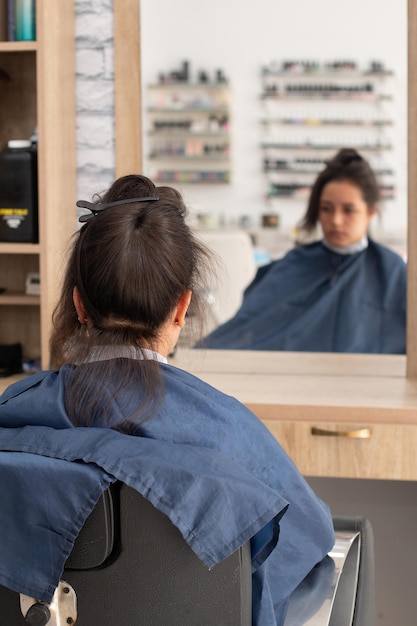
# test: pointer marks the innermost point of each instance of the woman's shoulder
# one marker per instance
(182, 386)
(299, 252)
(295, 261)
(36, 399)
(387, 254)
(177, 377)
(195, 412)
(305, 251)
(26, 383)
(44, 381)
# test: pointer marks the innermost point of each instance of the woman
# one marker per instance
(345, 293)
(133, 269)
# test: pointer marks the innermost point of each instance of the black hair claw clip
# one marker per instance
(95, 208)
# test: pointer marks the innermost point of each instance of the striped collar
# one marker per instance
(360, 245)
(103, 353)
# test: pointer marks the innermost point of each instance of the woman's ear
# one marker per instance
(79, 305)
(182, 308)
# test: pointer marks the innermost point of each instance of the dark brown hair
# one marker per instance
(131, 263)
(347, 165)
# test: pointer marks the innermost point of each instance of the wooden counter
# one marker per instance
(337, 415)
(9, 380)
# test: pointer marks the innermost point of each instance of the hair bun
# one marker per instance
(345, 156)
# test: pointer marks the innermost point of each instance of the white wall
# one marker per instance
(240, 38)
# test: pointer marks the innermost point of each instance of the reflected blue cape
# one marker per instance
(316, 300)
(204, 460)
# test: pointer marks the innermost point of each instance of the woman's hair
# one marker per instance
(131, 263)
(347, 165)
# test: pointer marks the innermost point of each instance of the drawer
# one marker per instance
(379, 451)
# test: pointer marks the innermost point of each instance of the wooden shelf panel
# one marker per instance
(183, 109)
(18, 46)
(312, 122)
(19, 248)
(337, 97)
(205, 86)
(327, 74)
(311, 172)
(182, 157)
(192, 182)
(186, 134)
(19, 299)
(278, 146)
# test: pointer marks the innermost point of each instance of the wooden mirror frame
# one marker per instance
(128, 133)
(127, 87)
(412, 193)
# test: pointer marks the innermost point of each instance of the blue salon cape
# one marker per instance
(204, 460)
(316, 300)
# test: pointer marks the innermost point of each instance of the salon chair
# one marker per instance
(130, 565)
(350, 597)
(356, 588)
(235, 251)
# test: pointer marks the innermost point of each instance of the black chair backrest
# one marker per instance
(130, 565)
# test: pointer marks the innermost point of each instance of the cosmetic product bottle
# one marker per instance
(25, 20)
(19, 192)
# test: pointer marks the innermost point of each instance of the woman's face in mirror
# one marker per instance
(343, 213)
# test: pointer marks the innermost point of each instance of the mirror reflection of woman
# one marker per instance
(344, 293)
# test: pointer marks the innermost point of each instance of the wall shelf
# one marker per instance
(18, 46)
(327, 74)
(184, 133)
(327, 96)
(188, 125)
(40, 94)
(19, 248)
(309, 146)
(185, 109)
(184, 85)
(19, 299)
(298, 190)
(184, 157)
(308, 115)
(193, 177)
(292, 170)
(326, 122)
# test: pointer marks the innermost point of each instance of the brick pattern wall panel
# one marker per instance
(94, 95)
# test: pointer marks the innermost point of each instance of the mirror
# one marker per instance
(212, 35)
(240, 41)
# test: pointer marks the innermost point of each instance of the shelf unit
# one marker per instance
(309, 114)
(37, 82)
(189, 132)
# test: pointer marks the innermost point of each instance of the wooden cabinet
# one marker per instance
(347, 450)
(38, 91)
(336, 415)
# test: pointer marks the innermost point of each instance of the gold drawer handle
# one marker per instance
(359, 433)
